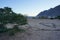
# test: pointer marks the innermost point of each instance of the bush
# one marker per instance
(10, 31)
(14, 30)
(51, 18)
(2, 28)
(8, 16)
(58, 17)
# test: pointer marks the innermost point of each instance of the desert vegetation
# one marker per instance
(8, 16)
(58, 17)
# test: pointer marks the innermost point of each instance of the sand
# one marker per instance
(38, 29)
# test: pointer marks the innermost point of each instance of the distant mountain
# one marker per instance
(52, 12)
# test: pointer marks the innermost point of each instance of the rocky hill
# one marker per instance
(52, 12)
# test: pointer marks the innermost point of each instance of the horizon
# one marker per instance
(29, 7)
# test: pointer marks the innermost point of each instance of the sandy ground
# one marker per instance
(37, 29)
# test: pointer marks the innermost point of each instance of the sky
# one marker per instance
(29, 7)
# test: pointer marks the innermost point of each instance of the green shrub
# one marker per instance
(58, 17)
(14, 30)
(2, 28)
(8, 16)
(51, 18)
